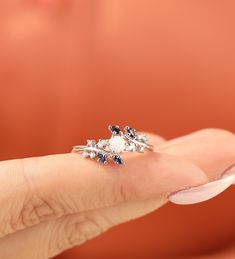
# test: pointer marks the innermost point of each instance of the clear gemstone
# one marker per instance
(131, 147)
(141, 149)
(142, 138)
(102, 143)
(91, 143)
(92, 155)
(117, 144)
(85, 154)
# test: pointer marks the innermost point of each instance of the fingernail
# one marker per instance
(230, 172)
(206, 191)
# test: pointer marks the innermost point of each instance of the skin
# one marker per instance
(53, 203)
(56, 202)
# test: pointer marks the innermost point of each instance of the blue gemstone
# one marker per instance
(102, 158)
(115, 130)
(130, 132)
(118, 160)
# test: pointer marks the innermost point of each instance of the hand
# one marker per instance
(52, 203)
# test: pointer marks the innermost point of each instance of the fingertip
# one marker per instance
(158, 175)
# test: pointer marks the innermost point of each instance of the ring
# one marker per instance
(120, 142)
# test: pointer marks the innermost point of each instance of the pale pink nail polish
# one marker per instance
(203, 192)
(230, 172)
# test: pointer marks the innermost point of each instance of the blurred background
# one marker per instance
(69, 68)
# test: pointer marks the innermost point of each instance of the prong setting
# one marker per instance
(118, 160)
(120, 142)
(115, 130)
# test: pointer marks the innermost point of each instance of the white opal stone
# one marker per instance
(117, 144)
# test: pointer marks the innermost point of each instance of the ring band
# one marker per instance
(120, 142)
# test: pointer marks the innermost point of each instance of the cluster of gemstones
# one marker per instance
(127, 141)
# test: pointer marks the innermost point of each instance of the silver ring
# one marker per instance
(120, 142)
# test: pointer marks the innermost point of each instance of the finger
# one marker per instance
(72, 230)
(51, 238)
(213, 150)
(77, 226)
(38, 189)
(181, 152)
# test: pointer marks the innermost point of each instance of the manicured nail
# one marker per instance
(230, 172)
(204, 192)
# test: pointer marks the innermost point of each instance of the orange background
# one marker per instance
(70, 68)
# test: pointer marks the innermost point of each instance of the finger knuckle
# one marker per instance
(33, 207)
(36, 210)
(85, 231)
(75, 230)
